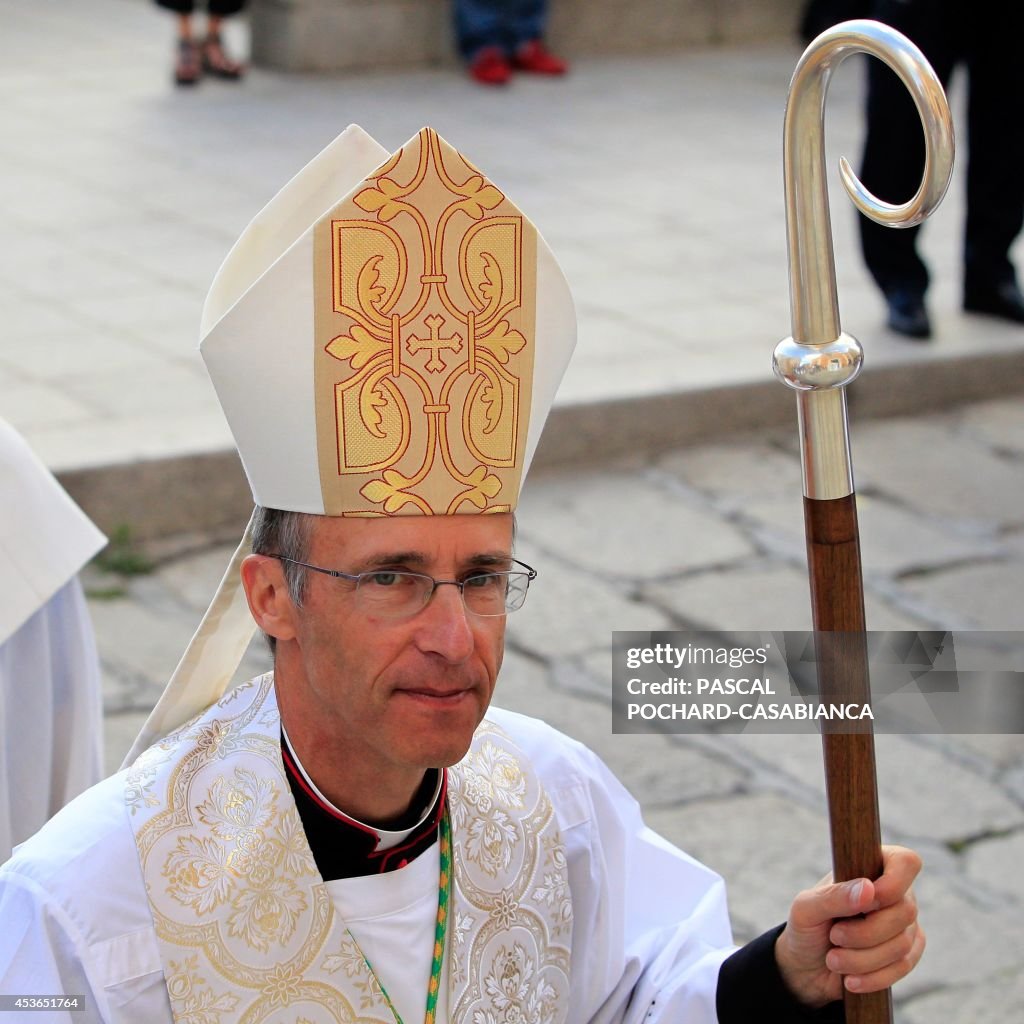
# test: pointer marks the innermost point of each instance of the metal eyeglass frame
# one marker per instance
(357, 578)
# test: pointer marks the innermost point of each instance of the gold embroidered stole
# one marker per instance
(246, 928)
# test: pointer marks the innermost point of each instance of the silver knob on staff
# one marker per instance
(819, 359)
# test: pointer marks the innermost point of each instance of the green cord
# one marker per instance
(444, 892)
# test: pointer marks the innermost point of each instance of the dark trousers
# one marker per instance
(216, 8)
(503, 23)
(984, 37)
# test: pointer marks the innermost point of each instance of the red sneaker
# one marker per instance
(536, 57)
(490, 67)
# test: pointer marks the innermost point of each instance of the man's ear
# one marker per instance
(266, 590)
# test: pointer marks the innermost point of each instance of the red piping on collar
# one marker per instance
(417, 834)
(332, 811)
(413, 838)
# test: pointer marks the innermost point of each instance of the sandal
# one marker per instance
(187, 69)
(216, 62)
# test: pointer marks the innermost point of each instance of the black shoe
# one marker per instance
(1002, 300)
(907, 315)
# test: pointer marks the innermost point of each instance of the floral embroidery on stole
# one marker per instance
(246, 928)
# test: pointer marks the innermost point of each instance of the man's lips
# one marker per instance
(434, 693)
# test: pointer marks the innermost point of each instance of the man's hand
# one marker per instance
(826, 944)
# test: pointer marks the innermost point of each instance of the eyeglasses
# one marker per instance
(396, 594)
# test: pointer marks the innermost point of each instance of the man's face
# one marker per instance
(400, 695)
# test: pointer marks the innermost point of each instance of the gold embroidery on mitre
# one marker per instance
(425, 294)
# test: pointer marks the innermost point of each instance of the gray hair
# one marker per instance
(277, 532)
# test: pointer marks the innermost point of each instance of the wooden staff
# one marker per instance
(818, 361)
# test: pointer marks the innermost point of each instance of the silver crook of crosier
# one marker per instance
(819, 359)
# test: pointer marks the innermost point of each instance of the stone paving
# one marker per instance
(657, 180)
(710, 537)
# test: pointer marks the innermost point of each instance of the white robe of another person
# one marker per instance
(51, 721)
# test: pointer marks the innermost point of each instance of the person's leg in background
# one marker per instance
(495, 36)
(995, 179)
(187, 66)
(527, 20)
(481, 38)
(208, 54)
(216, 60)
(893, 162)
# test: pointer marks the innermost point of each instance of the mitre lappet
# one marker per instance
(385, 338)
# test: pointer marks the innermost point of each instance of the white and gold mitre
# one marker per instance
(387, 336)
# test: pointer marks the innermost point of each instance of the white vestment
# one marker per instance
(646, 927)
(51, 724)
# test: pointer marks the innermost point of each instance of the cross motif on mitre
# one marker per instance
(435, 343)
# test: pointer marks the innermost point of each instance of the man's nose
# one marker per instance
(444, 624)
